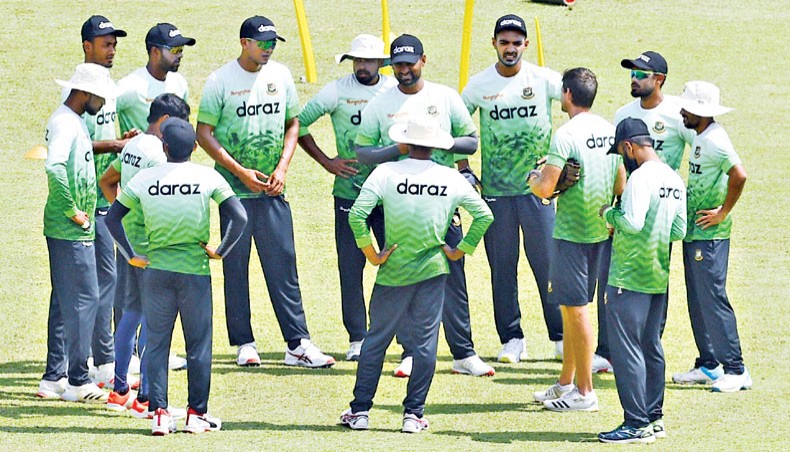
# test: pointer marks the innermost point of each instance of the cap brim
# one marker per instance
(635, 64)
(103, 92)
(182, 41)
(613, 150)
(702, 110)
(363, 55)
(411, 59)
(397, 133)
(116, 32)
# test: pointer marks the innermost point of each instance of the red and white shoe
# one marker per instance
(307, 355)
(201, 422)
(163, 423)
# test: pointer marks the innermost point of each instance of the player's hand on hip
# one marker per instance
(211, 251)
(384, 254)
(81, 218)
(453, 254)
(341, 167)
(253, 179)
(139, 261)
(710, 217)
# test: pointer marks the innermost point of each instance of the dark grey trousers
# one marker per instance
(104, 247)
(603, 279)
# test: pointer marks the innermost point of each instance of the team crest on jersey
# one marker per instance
(697, 151)
(698, 255)
(527, 93)
(659, 127)
(550, 289)
(271, 89)
(432, 110)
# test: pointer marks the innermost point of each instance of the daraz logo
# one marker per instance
(644, 58)
(103, 25)
(173, 33)
(511, 22)
(264, 28)
(402, 49)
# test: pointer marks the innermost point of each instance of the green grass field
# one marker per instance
(737, 45)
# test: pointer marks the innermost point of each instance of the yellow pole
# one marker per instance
(385, 33)
(307, 45)
(541, 61)
(466, 44)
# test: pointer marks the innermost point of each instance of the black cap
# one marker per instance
(647, 61)
(165, 34)
(179, 136)
(510, 22)
(627, 129)
(99, 26)
(259, 28)
(405, 49)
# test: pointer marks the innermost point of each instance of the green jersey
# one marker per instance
(71, 176)
(141, 152)
(652, 214)
(393, 106)
(586, 138)
(713, 156)
(139, 89)
(666, 128)
(248, 111)
(344, 99)
(174, 201)
(515, 124)
(419, 198)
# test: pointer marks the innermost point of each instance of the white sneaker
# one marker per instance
(404, 368)
(247, 355)
(513, 351)
(134, 365)
(307, 355)
(354, 349)
(162, 423)
(472, 365)
(732, 382)
(355, 421)
(52, 389)
(698, 375)
(573, 401)
(103, 376)
(199, 423)
(659, 431)
(175, 362)
(554, 392)
(558, 350)
(87, 393)
(175, 413)
(414, 424)
(601, 365)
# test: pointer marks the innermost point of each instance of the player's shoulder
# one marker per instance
(539, 71)
(64, 118)
(176, 77)
(631, 109)
(440, 90)
(716, 134)
(481, 78)
(134, 77)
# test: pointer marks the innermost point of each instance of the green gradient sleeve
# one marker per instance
(482, 217)
(359, 213)
(316, 107)
(57, 176)
(210, 108)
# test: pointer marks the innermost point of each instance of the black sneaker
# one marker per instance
(625, 434)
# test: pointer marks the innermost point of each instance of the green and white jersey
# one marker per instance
(174, 201)
(419, 198)
(666, 128)
(141, 152)
(515, 124)
(652, 214)
(248, 111)
(711, 158)
(391, 107)
(586, 138)
(343, 100)
(71, 176)
(139, 89)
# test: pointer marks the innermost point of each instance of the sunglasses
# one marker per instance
(265, 45)
(174, 50)
(641, 75)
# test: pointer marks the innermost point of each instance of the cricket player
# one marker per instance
(69, 226)
(416, 96)
(715, 183)
(651, 215)
(343, 100)
(514, 98)
(579, 233)
(173, 199)
(248, 123)
(420, 198)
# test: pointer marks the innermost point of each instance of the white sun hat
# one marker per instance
(91, 78)
(702, 99)
(365, 46)
(421, 130)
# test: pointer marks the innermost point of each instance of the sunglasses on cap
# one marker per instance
(174, 50)
(265, 45)
(641, 75)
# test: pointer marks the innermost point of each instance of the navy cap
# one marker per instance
(169, 35)
(405, 49)
(99, 26)
(647, 61)
(510, 22)
(179, 136)
(627, 129)
(259, 28)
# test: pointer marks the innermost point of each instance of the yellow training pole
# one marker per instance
(541, 62)
(307, 45)
(466, 44)
(385, 33)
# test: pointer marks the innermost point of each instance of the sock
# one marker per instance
(292, 345)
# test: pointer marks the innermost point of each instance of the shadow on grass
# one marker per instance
(510, 437)
(59, 430)
(47, 408)
(469, 408)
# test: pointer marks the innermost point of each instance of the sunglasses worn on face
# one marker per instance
(174, 50)
(265, 45)
(641, 75)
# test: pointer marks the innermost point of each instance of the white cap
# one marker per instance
(92, 78)
(365, 46)
(701, 99)
(421, 130)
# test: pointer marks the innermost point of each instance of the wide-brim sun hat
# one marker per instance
(702, 99)
(366, 47)
(92, 78)
(421, 131)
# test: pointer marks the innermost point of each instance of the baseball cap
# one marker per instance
(647, 61)
(405, 49)
(179, 136)
(91, 78)
(510, 22)
(365, 46)
(421, 130)
(702, 99)
(165, 34)
(259, 28)
(99, 26)
(627, 129)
